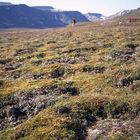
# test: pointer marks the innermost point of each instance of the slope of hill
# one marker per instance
(25, 16)
(17, 16)
(45, 8)
(94, 16)
(65, 16)
(118, 14)
(70, 84)
(134, 13)
(5, 3)
(123, 15)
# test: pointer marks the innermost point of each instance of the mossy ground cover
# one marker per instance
(100, 62)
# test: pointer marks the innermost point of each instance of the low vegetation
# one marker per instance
(74, 83)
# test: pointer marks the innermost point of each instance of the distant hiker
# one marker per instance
(129, 20)
(74, 22)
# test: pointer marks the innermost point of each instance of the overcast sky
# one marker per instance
(106, 7)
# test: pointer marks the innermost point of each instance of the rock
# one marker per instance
(73, 91)
(63, 110)
(119, 110)
(87, 68)
(59, 72)
(14, 112)
(123, 55)
(41, 55)
(135, 87)
(1, 83)
(51, 42)
(125, 82)
(4, 61)
(70, 60)
(23, 51)
(10, 66)
(37, 62)
(93, 134)
(99, 69)
(38, 76)
(79, 50)
(132, 46)
(101, 112)
(92, 69)
(39, 107)
(16, 74)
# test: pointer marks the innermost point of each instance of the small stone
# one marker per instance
(64, 110)
(59, 72)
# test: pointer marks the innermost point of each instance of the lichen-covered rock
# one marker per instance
(64, 110)
(58, 72)
(125, 82)
(1, 83)
(92, 69)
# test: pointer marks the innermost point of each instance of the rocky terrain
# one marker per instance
(74, 83)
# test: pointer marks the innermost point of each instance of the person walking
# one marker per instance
(74, 21)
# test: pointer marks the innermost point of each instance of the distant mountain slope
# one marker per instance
(25, 16)
(5, 3)
(64, 16)
(120, 13)
(45, 8)
(124, 16)
(135, 13)
(94, 16)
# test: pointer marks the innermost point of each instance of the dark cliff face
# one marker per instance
(64, 16)
(25, 16)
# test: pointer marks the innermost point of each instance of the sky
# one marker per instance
(106, 7)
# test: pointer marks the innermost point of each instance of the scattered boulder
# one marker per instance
(101, 112)
(63, 110)
(125, 82)
(38, 76)
(58, 72)
(51, 42)
(15, 112)
(1, 83)
(12, 66)
(92, 69)
(120, 110)
(79, 50)
(24, 51)
(16, 74)
(39, 107)
(4, 61)
(37, 62)
(125, 54)
(132, 46)
(136, 75)
(73, 91)
(70, 60)
(41, 55)
(135, 87)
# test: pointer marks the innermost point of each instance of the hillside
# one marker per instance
(124, 15)
(16, 16)
(64, 16)
(23, 16)
(94, 16)
(74, 83)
